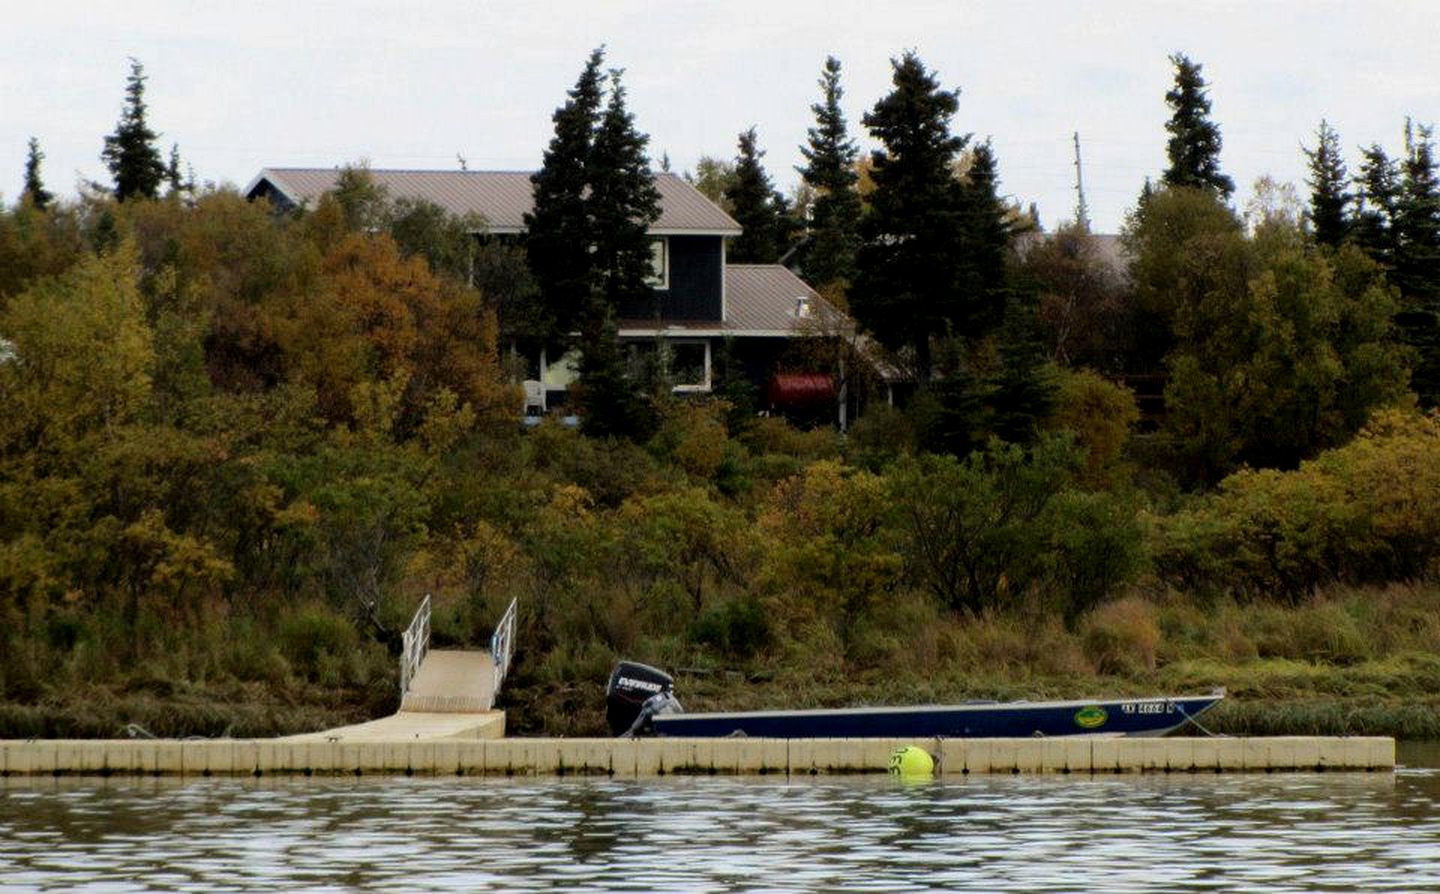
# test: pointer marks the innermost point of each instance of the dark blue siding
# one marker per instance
(696, 276)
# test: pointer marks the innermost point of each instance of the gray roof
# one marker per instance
(501, 197)
(761, 300)
(764, 298)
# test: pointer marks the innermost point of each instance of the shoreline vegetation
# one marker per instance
(238, 446)
(1350, 661)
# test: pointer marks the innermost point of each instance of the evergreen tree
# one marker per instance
(1417, 219)
(752, 204)
(39, 196)
(830, 170)
(588, 245)
(1374, 229)
(1329, 197)
(988, 233)
(913, 260)
(608, 395)
(173, 178)
(624, 201)
(130, 151)
(1417, 261)
(1024, 390)
(1194, 146)
(560, 233)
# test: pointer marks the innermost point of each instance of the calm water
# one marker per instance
(1130, 833)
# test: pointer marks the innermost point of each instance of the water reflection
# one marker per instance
(1182, 832)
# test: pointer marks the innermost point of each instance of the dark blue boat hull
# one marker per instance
(1118, 717)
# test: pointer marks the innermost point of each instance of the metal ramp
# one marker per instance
(443, 693)
(450, 682)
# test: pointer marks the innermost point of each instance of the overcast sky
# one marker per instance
(245, 85)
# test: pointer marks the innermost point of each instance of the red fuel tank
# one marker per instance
(800, 391)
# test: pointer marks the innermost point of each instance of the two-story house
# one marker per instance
(755, 311)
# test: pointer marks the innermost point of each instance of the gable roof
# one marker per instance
(766, 298)
(501, 197)
(761, 301)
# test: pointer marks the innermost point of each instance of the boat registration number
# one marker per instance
(1147, 708)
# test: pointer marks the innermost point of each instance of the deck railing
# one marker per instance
(502, 644)
(416, 642)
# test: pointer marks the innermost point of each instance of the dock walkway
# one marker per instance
(630, 758)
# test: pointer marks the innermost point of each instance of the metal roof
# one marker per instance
(770, 298)
(1106, 249)
(501, 197)
(761, 300)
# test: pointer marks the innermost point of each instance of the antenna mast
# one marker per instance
(1082, 212)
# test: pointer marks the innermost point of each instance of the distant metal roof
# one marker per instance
(501, 197)
(1107, 249)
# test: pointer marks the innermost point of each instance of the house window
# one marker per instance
(687, 362)
(690, 365)
(659, 277)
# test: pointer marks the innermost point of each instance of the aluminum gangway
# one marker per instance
(444, 693)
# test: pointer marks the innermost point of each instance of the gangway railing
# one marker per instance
(415, 643)
(502, 644)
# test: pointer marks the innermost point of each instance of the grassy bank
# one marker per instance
(265, 674)
(1349, 661)
(1352, 661)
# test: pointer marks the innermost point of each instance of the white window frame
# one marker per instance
(661, 282)
(705, 386)
(669, 345)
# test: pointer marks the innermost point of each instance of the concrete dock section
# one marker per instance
(449, 755)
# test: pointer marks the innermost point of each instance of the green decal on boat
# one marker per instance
(1091, 717)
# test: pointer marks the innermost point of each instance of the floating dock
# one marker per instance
(441, 754)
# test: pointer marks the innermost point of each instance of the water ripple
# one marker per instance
(1132, 833)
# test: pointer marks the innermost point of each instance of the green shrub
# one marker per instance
(1365, 512)
(879, 437)
(739, 628)
(1093, 547)
(1101, 414)
(973, 530)
(312, 636)
(771, 434)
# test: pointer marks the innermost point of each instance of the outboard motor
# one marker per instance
(636, 693)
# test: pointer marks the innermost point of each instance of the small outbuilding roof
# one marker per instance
(502, 197)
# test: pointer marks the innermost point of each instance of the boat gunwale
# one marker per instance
(954, 708)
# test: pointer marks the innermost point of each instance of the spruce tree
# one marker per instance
(1330, 199)
(1194, 146)
(1024, 391)
(913, 260)
(1417, 219)
(39, 196)
(988, 237)
(560, 234)
(1374, 228)
(830, 169)
(623, 202)
(130, 151)
(1417, 261)
(752, 204)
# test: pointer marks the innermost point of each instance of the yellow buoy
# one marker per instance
(912, 761)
